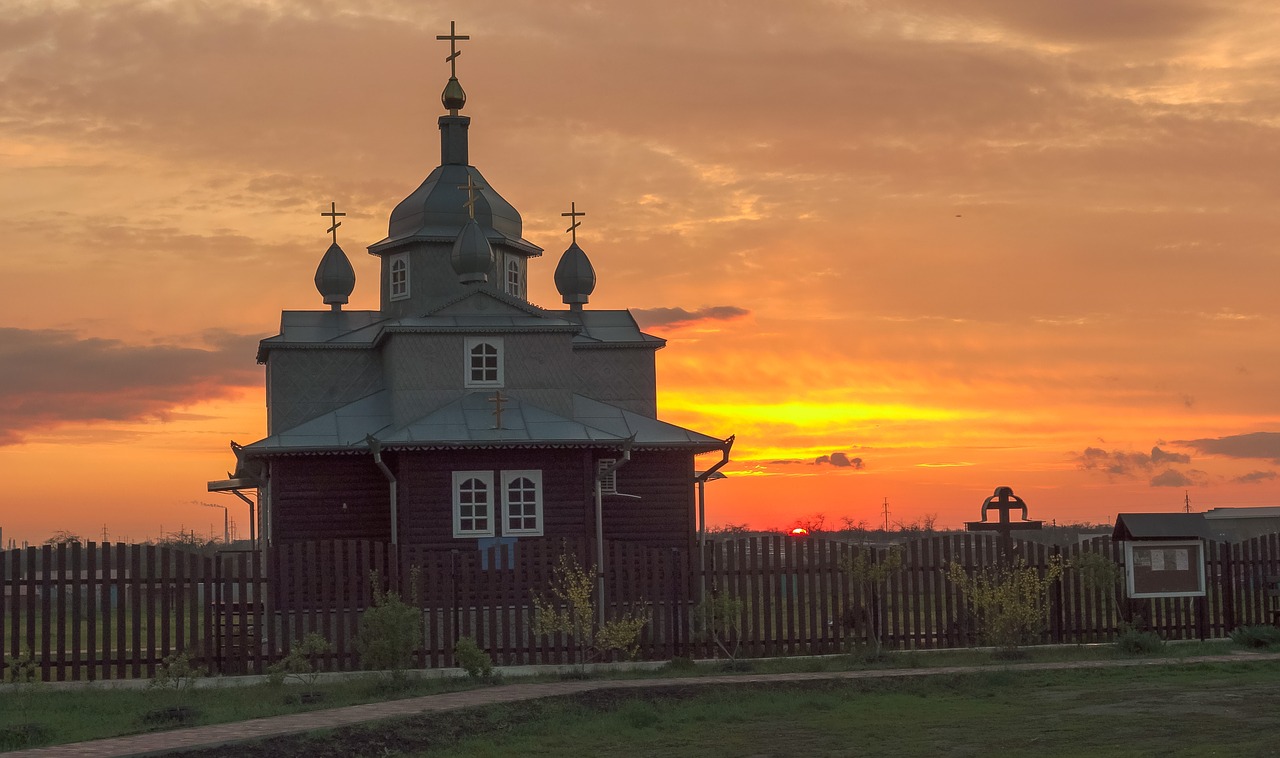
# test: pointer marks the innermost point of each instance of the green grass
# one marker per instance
(1195, 710)
(98, 711)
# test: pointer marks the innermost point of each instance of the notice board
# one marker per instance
(1165, 568)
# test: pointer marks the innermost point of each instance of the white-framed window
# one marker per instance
(473, 504)
(522, 503)
(609, 481)
(513, 278)
(398, 271)
(483, 362)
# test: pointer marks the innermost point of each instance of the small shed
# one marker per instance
(1164, 553)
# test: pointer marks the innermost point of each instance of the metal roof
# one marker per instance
(470, 422)
(1156, 526)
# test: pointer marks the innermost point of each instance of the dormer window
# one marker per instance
(399, 272)
(513, 278)
(484, 362)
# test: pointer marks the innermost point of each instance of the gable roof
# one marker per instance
(468, 422)
(1160, 526)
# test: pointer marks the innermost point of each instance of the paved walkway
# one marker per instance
(241, 731)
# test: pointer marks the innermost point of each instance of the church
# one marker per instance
(459, 415)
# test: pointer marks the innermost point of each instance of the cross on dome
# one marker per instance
(333, 214)
(453, 38)
(471, 187)
(573, 215)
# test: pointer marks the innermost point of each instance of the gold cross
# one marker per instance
(453, 38)
(333, 214)
(573, 215)
(471, 187)
(497, 401)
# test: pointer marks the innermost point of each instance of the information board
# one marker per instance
(1165, 568)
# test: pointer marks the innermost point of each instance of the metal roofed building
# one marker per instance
(459, 413)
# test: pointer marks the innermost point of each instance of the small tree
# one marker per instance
(568, 607)
(1098, 573)
(720, 618)
(1010, 604)
(176, 674)
(389, 630)
(299, 664)
(869, 579)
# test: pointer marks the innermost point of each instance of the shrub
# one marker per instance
(298, 664)
(869, 578)
(22, 668)
(472, 659)
(1010, 604)
(1135, 642)
(176, 673)
(1256, 636)
(719, 618)
(568, 607)
(390, 630)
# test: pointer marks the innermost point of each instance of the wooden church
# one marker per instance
(460, 415)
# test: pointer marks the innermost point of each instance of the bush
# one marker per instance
(297, 665)
(175, 673)
(719, 618)
(1010, 604)
(1135, 642)
(472, 659)
(568, 607)
(1256, 636)
(389, 631)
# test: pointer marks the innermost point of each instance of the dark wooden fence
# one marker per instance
(102, 611)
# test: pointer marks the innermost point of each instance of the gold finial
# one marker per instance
(573, 215)
(453, 38)
(471, 187)
(333, 214)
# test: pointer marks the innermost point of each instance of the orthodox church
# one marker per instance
(459, 414)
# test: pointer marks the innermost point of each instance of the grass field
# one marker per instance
(1003, 702)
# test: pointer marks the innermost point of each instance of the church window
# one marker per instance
(399, 276)
(522, 495)
(484, 362)
(473, 504)
(513, 278)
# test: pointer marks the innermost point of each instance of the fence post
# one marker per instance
(1055, 599)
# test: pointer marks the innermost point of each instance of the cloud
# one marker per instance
(51, 378)
(840, 460)
(1126, 463)
(650, 317)
(1174, 478)
(1265, 445)
(1254, 477)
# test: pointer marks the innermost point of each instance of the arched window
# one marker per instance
(399, 272)
(484, 362)
(513, 278)
(522, 493)
(473, 504)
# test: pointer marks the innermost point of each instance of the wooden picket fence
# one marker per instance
(110, 611)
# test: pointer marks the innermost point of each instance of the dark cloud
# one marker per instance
(1264, 445)
(650, 317)
(50, 378)
(1089, 21)
(1174, 478)
(840, 460)
(1127, 463)
(1254, 477)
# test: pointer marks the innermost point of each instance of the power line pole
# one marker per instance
(886, 514)
(1186, 501)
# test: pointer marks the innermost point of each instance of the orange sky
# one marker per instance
(1030, 243)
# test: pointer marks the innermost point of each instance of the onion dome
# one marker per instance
(472, 258)
(335, 278)
(453, 97)
(575, 278)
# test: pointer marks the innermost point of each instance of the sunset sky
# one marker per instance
(907, 250)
